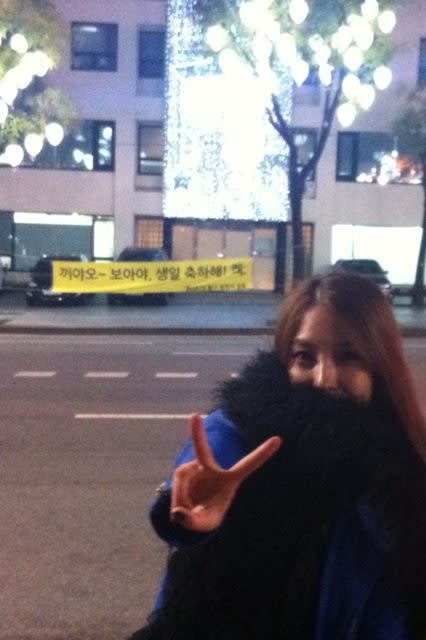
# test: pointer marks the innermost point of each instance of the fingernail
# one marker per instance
(177, 516)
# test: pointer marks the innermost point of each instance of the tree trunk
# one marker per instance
(296, 196)
(418, 295)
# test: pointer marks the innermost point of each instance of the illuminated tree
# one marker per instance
(31, 36)
(341, 44)
(410, 128)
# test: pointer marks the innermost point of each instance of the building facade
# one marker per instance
(101, 189)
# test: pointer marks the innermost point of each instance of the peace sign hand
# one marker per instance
(202, 490)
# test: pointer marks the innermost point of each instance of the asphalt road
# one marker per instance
(89, 428)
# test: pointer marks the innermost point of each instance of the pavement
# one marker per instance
(197, 313)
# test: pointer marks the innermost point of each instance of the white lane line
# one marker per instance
(106, 374)
(35, 374)
(71, 340)
(133, 416)
(231, 354)
(234, 374)
(176, 374)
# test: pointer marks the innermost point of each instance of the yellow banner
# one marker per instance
(153, 277)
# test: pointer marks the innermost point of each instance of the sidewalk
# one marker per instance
(222, 313)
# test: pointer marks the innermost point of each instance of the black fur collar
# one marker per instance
(342, 453)
(334, 443)
(258, 575)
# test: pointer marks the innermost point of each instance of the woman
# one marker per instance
(299, 508)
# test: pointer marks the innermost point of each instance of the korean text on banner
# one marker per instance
(226, 274)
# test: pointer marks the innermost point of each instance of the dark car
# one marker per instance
(39, 289)
(368, 268)
(140, 254)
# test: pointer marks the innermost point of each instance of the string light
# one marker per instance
(54, 133)
(298, 11)
(382, 77)
(33, 143)
(386, 21)
(346, 113)
(27, 65)
(370, 9)
(18, 43)
(216, 104)
(216, 37)
(222, 159)
(14, 154)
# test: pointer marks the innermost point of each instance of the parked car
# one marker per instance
(370, 269)
(140, 254)
(39, 289)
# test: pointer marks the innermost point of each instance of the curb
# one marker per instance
(269, 330)
(406, 332)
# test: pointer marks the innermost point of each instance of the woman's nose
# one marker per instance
(326, 374)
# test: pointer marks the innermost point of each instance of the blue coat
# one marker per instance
(355, 601)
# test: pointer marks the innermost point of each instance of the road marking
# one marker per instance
(133, 416)
(35, 374)
(234, 374)
(176, 374)
(106, 374)
(116, 340)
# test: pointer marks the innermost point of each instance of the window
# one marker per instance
(151, 154)
(149, 232)
(422, 62)
(367, 157)
(347, 154)
(152, 46)
(88, 145)
(94, 46)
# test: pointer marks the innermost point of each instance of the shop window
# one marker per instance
(149, 232)
(422, 63)
(150, 156)
(37, 234)
(151, 59)
(368, 158)
(94, 46)
(88, 145)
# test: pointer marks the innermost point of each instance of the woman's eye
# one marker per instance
(303, 357)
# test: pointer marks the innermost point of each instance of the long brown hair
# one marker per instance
(371, 325)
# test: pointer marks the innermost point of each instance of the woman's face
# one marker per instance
(322, 356)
